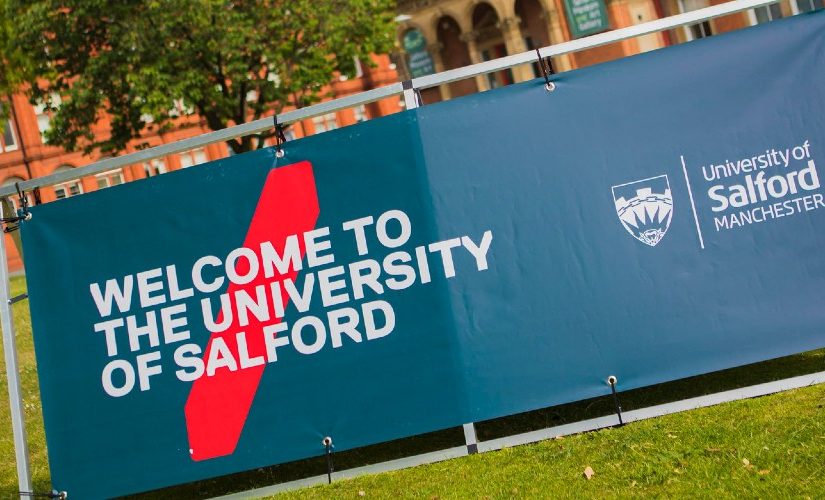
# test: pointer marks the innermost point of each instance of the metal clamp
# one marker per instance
(280, 138)
(12, 223)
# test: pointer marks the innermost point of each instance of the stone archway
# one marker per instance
(534, 30)
(489, 42)
(454, 54)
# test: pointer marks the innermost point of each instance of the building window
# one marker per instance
(180, 108)
(325, 122)
(698, 30)
(43, 111)
(8, 141)
(808, 5)
(67, 189)
(154, 167)
(44, 121)
(767, 13)
(499, 78)
(194, 157)
(109, 179)
(361, 114)
(359, 69)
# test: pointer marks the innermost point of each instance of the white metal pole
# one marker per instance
(18, 426)
(470, 439)
(410, 99)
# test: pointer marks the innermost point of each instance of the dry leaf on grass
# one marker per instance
(588, 472)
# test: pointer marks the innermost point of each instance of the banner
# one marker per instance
(653, 218)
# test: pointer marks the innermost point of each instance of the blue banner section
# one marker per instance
(653, 218)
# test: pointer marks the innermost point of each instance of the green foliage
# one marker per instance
(771, 447)
(146, 62)
(15, 66)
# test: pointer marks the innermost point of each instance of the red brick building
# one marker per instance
(24, 154)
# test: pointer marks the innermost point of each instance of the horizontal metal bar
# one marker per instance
(655, 411)
(401, 463)
(589, 42)
(222, 135)
(545, 434)
(372, 95)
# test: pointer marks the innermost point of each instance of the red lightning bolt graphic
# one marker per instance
(218, 405)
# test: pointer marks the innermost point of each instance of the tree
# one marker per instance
(15, 67)
(143, 62)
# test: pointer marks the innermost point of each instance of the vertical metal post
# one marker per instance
(21, 449)
(410, 99)
(470, 438)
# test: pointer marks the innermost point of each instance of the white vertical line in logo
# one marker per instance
(692, 205)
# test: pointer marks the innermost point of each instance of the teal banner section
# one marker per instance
(653, 218)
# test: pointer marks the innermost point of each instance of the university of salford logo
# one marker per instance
(645, 208)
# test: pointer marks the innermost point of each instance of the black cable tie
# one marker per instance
(18, 298)
(327, 442)
(418, 98)
(611, 380)
(11, 224)
(546, 65)
(280, 137)
(24, 201)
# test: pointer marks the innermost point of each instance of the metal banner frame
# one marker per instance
(409, 90)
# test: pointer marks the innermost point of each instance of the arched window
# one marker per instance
(490, 42)
(454, 54)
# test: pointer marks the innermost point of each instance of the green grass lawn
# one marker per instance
(767, 447)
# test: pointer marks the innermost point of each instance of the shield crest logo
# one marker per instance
(645, 208)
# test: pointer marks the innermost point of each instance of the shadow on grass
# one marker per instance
(742, 376)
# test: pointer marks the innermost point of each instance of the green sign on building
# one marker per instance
(586, 17)
(419, 61)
